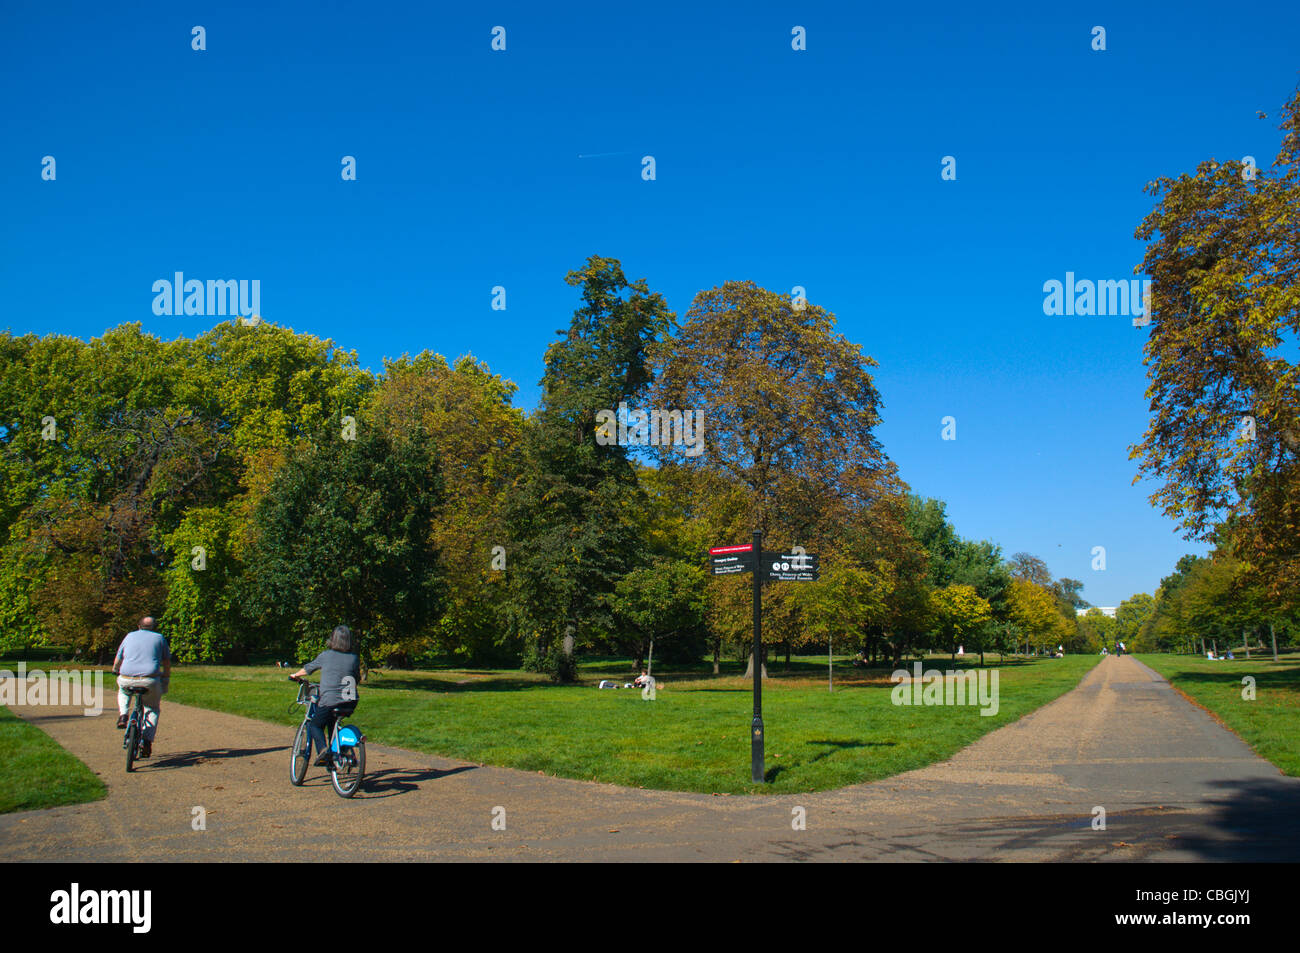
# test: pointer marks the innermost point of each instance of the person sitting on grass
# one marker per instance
(340, 671)
(143, 661)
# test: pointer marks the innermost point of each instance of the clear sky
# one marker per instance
(819, 168)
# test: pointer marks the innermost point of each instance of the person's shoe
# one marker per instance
(146, 748)
(121, 721)
(323, 760)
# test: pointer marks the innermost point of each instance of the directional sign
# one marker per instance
(796, 560)
(791, 567)
(727, 560)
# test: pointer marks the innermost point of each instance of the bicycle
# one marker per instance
(133, 739)
(346, 743)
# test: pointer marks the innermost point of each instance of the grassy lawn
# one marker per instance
(35, 772)
(1270, 724)
(693, 737)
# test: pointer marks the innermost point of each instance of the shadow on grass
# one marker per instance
(440, 687)
(187, 759)
(833, 746)
(1232, 672)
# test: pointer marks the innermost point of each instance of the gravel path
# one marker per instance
(1174, 783)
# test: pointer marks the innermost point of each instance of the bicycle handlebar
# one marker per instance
(305, 691)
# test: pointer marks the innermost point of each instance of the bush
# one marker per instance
(561, 668)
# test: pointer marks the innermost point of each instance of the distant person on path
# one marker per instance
(143, 661)
(340, 671)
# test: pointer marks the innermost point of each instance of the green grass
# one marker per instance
(1270, 723)
(36, 773)
(693, 737)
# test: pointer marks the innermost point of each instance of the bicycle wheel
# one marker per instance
(348, 770)
(132, 739)
(299, 756)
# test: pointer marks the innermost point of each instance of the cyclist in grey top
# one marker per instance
(143, 661)
(340, 671)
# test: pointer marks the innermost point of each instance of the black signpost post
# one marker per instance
(775, 567)
(756, 729)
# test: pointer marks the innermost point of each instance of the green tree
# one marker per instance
(662, 605)
(343, 536)
(1131, 615)
(572, 510)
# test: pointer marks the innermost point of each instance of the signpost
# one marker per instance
(797, 566)
(726, 560)
(791, 567)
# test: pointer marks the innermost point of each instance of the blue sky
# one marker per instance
(818, 168)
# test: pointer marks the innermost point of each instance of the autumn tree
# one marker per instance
(1034, 613)
(465, 411)
(790, 411)
(1224, 435)
(960, 613)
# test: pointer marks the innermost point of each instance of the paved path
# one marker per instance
(1175, 785)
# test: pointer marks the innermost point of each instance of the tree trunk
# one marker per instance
(1245, 642)
(749, 668)
(787, 655)
(1273, 636)
(649, 665)
(717, 649)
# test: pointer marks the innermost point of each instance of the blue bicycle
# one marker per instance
(346, 742)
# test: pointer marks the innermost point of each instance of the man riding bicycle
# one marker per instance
(143, 661)
(340, 670)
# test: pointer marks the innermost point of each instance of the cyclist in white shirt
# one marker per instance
(143, 661)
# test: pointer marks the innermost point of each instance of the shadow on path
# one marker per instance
(393, 781)
(1256, 820)
(187, 759)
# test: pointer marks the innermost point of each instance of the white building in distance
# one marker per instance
(1105, 610)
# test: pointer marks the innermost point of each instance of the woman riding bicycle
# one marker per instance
(340, 671)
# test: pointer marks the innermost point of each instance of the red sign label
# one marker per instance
(719, 550)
